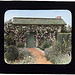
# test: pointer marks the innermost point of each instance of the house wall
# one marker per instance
(42, 32)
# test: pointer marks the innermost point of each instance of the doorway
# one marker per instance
(31, 40)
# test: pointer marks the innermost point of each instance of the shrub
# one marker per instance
(56, 57)
(5, 55)
(5, 48)
(24, 53)
(9, 39)
(27, 60)
(12, 53)
(64, 36)
(45, 45)
(64, 39)
(63, 59)
(21, 55)
(66, 29)
(27, 53)
(57, 50)
(60, 47)
(20, 45)
(50, 54)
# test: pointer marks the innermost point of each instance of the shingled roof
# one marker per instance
(39, 21)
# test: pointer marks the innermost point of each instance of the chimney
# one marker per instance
(58, 17)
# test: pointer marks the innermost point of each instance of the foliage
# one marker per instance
(45, 45)
(27, 60)
(21, 55)
(20, 45)
(63, 59)
(24, 53)
(64, 36)
(50, 42)
(25, 57)
(9, 39)
(50, 54)
(66, 29)
(21, 32)
(69, 29)
(12, 53)
(5, 55)
(27, 53)
(60, 47)
(64, 40)
(5, 48)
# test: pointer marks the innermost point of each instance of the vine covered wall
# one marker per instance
(42, 32)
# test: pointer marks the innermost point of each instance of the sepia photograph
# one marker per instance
(38, 37)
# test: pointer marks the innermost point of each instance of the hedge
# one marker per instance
(12, 53)
(64, 36)
(64, 40)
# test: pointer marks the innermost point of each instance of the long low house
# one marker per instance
(34, 31)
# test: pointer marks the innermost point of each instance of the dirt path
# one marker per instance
(39, 56)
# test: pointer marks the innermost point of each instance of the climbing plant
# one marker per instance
(43, 32)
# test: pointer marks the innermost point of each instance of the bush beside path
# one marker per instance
(39, 56)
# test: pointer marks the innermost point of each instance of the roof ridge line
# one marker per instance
(33, 18)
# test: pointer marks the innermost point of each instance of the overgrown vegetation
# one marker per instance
(64, 39)
(27, 60)
(14, 39)
(9, 39)
(60, 49)
(5, 49)
(12, 53)
(24, 53)
(57, 51)
(44, 45)
(66, 29)
(20, 45)
(24, 56)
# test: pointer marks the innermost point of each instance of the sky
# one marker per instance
(65, 14)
